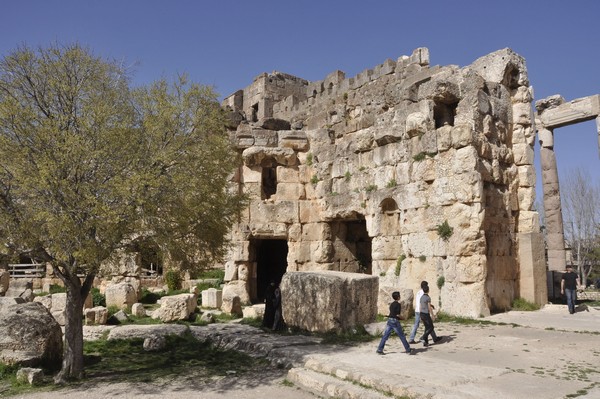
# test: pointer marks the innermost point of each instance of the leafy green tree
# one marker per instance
(87, 164)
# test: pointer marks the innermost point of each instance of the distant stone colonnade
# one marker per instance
(554, 112)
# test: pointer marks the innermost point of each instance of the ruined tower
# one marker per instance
(406, 171)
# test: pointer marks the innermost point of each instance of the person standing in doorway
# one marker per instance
(393, 323)
(278, 323)
(413, 332)
(427, 315)
(568, 287)
(269, 315)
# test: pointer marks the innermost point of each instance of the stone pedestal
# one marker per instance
(212, 298)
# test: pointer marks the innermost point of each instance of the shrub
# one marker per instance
(444, 230)
(173, 279)
(392, 183)
(399, 264)
(371, 187)
(148, 297)
(422, 258)
(441, 281)
(314, 180)
(347, 175)
(98, 299)
(309, 159)
(419, 157)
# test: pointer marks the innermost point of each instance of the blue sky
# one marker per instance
(226, 43)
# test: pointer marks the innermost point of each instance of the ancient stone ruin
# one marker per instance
(405, 172)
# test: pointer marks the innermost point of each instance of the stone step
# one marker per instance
(386, 384)
(328, 386)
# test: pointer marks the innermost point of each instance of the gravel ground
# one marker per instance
(260, 384)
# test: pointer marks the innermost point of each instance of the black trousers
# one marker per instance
(428, 323)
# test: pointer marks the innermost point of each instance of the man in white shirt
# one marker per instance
(413, 332)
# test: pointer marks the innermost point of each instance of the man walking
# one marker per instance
(426, 310)
(393, 323)
(413, 332)
(568, 287)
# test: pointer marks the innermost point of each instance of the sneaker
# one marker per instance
(437, 339)
(380, 353)
(425, 344)
(412, 342)
(409, 352)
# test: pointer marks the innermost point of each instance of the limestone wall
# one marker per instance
(371, 166)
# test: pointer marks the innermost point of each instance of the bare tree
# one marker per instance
(581, 209)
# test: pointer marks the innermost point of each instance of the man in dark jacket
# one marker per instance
(393, 323)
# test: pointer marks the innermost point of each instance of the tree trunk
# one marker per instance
(72, 365)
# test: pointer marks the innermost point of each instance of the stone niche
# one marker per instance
(323, 301)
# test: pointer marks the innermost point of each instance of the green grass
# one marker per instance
(218, 274)
(524, 305)
(446, 318)
(356, 336)
(126, 360)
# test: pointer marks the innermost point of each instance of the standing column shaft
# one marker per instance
(598, 130)
(552, 207)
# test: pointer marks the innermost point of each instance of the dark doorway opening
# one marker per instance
(271, 264)
(352, 246)
(150, 255)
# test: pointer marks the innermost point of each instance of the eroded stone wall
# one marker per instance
(358, 174)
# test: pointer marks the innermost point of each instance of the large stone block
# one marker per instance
(281, 212)
(176, 307)
(96, 316)
(30, 336)
(122, 295)
(238, 288)
(316, 231)
(328, 301)
(212, 298)
(18, 287)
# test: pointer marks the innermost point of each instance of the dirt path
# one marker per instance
(257, 385)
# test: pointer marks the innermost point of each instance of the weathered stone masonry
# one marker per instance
(357, 174)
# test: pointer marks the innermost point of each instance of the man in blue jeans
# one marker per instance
(413, 332)
(568, 287)
(393, 323)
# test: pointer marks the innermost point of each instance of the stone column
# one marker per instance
(552, 208)
(598, 130)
